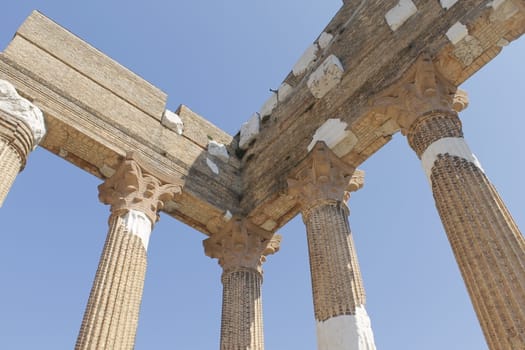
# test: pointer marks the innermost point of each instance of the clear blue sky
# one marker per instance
(220, 58)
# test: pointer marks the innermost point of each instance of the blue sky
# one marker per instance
(221, 59)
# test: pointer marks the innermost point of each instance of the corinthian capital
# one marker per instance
(241, 244)
(322, 177)
(421, 91)
(130, 188)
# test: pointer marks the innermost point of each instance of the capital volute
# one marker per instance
(323, 177)
(421, 91)
(460, 100)
(241, 245)
(131, 188)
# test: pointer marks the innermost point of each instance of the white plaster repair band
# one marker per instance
(138, 224)
(454, 146)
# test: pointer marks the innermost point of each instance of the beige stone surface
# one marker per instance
(375, 60)
(97, 112)
(94, 121)
(487, 244)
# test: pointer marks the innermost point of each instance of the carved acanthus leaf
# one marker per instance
(422, 90)
(130, 188)
(241, 244)
(322, 176)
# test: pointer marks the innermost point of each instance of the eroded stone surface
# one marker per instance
(213, 167)
(324, 40)
(218, 150)
(20, 108)
(400, 13)
(268, 106)
(173, 122)
(446, 4)
(457, 32)
(336, 136)
(327, 76)
(306, 60)
(284, 91)
(249, 131)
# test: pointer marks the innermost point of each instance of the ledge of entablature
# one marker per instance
(364, 52)
(369, 74)
(97, 111)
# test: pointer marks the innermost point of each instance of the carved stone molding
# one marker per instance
(130, 188)
(323, 177)
(241, 245)
(423, 90)
(12, 104)
(460, 100)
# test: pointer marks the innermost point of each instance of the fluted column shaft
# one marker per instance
(242, 318)
(487, 244)
(111, 317)
(339, 297)
(322, 184)
(241, 248)
(11, 159)
(336, 278)
(21, 129)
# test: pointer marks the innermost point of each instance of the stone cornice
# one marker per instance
(323, 177)
(241, 245)
(131, 188)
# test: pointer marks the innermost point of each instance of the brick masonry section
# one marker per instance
(242, 320)
(487, 244)
(336, 278)
(16, 142)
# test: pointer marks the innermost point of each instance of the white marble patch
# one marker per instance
(268, 107)
(218, 150)
(20, 108)
(453, 146)
(346, 332)
(284, 92)
(327, 76)
(306, 60)
(399, 14)
(324, 40)
(249, 131)
(457, 32)
(446, 4)
(172, 121)
(213, 167)
(137, 223)
(227, 216)
(333, 132)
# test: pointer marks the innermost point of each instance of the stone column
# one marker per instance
(111, 317)
(21, 129)
(322, 184)
(487, 244)
(241, 248)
